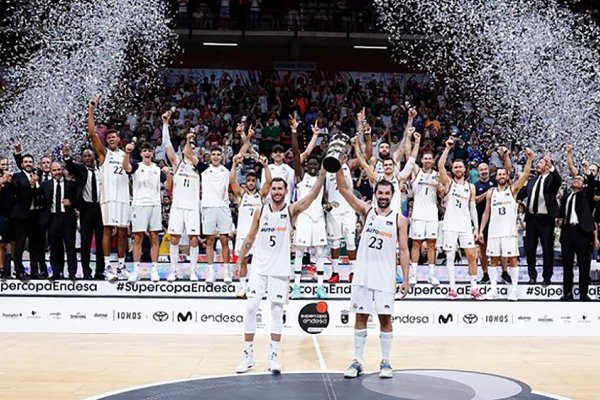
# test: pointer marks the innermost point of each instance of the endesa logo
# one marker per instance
(412, 319)
(222, 318)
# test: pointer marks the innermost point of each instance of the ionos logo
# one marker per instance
(470, 319)
(314, 317)
(127, 315)
(445, 319)
(222, 318)
(181, 317)
(160, 316)
(412, 319)
(501, 319)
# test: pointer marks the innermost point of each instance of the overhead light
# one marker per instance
(220, 44)
(356, 46)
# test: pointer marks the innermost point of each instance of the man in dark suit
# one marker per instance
(25, 215)
(58, 214)
(87, 201)
(542, 209)
(6, 204)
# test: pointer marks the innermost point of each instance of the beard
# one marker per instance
(383, 203)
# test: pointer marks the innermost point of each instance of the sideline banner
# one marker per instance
(302, 317)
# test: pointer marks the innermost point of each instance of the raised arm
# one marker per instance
(404, 148)
(305, 202)
(518, 185)
(166, 140)
(359, 206)
(410, 164)
(92, 134)
(127, 166)
(168, 178)
(296, 148)
(507, 161)
(313, 141)
(473, 210)
(266, 185)
(362, 163)
(444, 178)
(570, 163)
(233, 181)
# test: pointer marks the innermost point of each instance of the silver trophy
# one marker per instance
(339, 144)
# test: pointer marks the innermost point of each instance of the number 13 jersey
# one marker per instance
(503, 214)
(272, 246)
(376, 256)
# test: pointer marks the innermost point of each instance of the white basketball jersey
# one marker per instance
(376, 256)
(273, 244)
(334, 197)
(503, 214)
(457, 217)
(115, 182)
(249, 204)
(315, 210)
(424, 188)
(186, 187)
(215, 187)
(396, 202)
(286, 173)
(146, 185)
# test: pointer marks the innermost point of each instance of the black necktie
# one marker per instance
(536, 195)
(46, 177)
(94, 186)
(569, 207)
(57, 198)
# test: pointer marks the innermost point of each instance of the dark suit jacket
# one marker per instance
(584, 205)
(24, 196)
(19, 158)
(47, 192)
(80, 172)
(551, 185)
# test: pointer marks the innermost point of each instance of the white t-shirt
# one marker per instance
(215, 185)
(285, 172)
(146, 185)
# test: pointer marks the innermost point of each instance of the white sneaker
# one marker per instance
(227, 276)
(193, 276)
(134, 276)
(246, 363)
(109, 274)
(512, 295)
(492, 294)
(274, 365)
(122, 273)
(154, 276)
(433, 280)
(241, 293)
(172, 277)
(209, 277)
(412, 279)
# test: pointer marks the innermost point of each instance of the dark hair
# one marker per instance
(216, 148)
(383, 182)
(460, 160)
(146, 146)
(278, 179)
(251, 174)
(383, 142)
(278, 148)
(428, 151)
(27, 155)
(313, 157)
(112, 131)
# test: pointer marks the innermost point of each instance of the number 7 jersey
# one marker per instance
(272, 245)
(115, 182)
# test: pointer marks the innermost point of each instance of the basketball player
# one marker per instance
(424, 218)
(374, 284)
(270, 269)
(185, 207)
(146, 205)
(114, 198)
(250, 201)
(340, 221)
(460, 220)
(501, 212)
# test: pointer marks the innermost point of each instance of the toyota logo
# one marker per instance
(160, 316)
(470, 318)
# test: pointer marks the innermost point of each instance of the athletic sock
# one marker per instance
(385, 339)
(107, 262)
(136, 266)
(493, 273)
(274, 348)
(174, 255)
(450, 266)
(298, 266)
(431, 269)
(360, 338)
(194, 258)
(335, 265)
(319, 264)
(121, 262)
(249, 347)
(514, 276)
(473, 282)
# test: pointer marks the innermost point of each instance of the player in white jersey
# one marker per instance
(146, 205)
(184, 216)
(114, 197)
(216, 215)
(374, 284)
(250, 201)
(460, 220)
(270, 269)
(501, 212)
(341, 221)
(395, 178)
(424, 217)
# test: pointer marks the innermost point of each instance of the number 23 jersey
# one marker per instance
(272, 245)
(376, 256)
